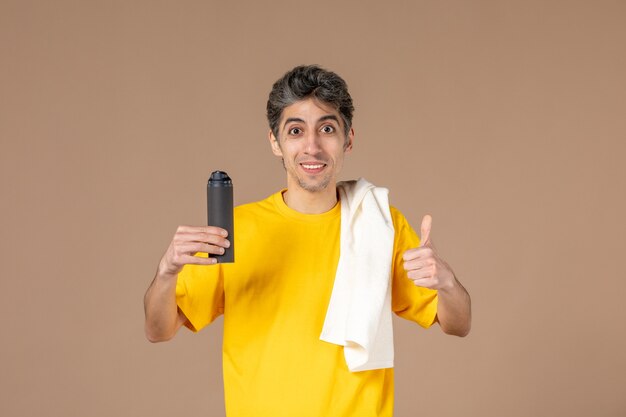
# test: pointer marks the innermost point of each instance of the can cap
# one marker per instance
(220, 179)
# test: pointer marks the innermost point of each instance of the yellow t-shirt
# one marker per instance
(274, 299)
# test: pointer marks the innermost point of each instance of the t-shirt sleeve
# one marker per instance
(409, 301)
(200, 294)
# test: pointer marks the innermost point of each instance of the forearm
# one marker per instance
(162, 317)
(454, 312)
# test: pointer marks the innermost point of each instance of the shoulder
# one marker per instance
(398, 218)
(256, 209)
(405, 234)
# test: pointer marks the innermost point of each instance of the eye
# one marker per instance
(295, 131)
(328, 129)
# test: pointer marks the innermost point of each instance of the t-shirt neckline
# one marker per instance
(287, 211)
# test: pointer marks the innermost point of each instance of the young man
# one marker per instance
(275, 297)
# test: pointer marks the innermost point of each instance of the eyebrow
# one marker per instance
(321, 119)
(329, 117)
(292, 119)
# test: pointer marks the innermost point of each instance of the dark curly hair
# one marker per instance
(306, 81)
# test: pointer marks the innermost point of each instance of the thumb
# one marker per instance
(427, 222)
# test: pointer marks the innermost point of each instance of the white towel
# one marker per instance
(359, 311)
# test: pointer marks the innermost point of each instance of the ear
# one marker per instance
(274, 144)
(350, 141)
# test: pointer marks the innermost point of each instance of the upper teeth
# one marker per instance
(313, 166)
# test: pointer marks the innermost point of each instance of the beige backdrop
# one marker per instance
(503, 119)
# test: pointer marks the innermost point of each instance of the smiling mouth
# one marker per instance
(313, 167)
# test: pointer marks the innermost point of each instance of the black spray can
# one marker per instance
(219, 193)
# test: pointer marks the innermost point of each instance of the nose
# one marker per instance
(313, 143)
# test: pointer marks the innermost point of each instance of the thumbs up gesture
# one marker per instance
(422, 264)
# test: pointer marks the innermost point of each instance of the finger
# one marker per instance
(417, 253)
(193, 248)
(410, 254)
(426, 283)
(413, 265)
(216, 240)
(419, 263)
(425, 273)
(427, 222)
(207, 230)
(216, 231)
(198, 260)
(185, 238)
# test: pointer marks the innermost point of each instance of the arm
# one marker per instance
(163, 318)
(454, 312)
(427, 269)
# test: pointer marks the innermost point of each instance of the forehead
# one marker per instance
(309, 110)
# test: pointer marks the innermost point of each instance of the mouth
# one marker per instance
(312, 167)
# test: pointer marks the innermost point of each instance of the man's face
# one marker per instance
(312, 143)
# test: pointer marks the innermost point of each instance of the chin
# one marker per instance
(315, 187)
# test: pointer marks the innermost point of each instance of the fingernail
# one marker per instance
(227, 243)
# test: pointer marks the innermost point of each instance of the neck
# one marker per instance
(309, 202)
